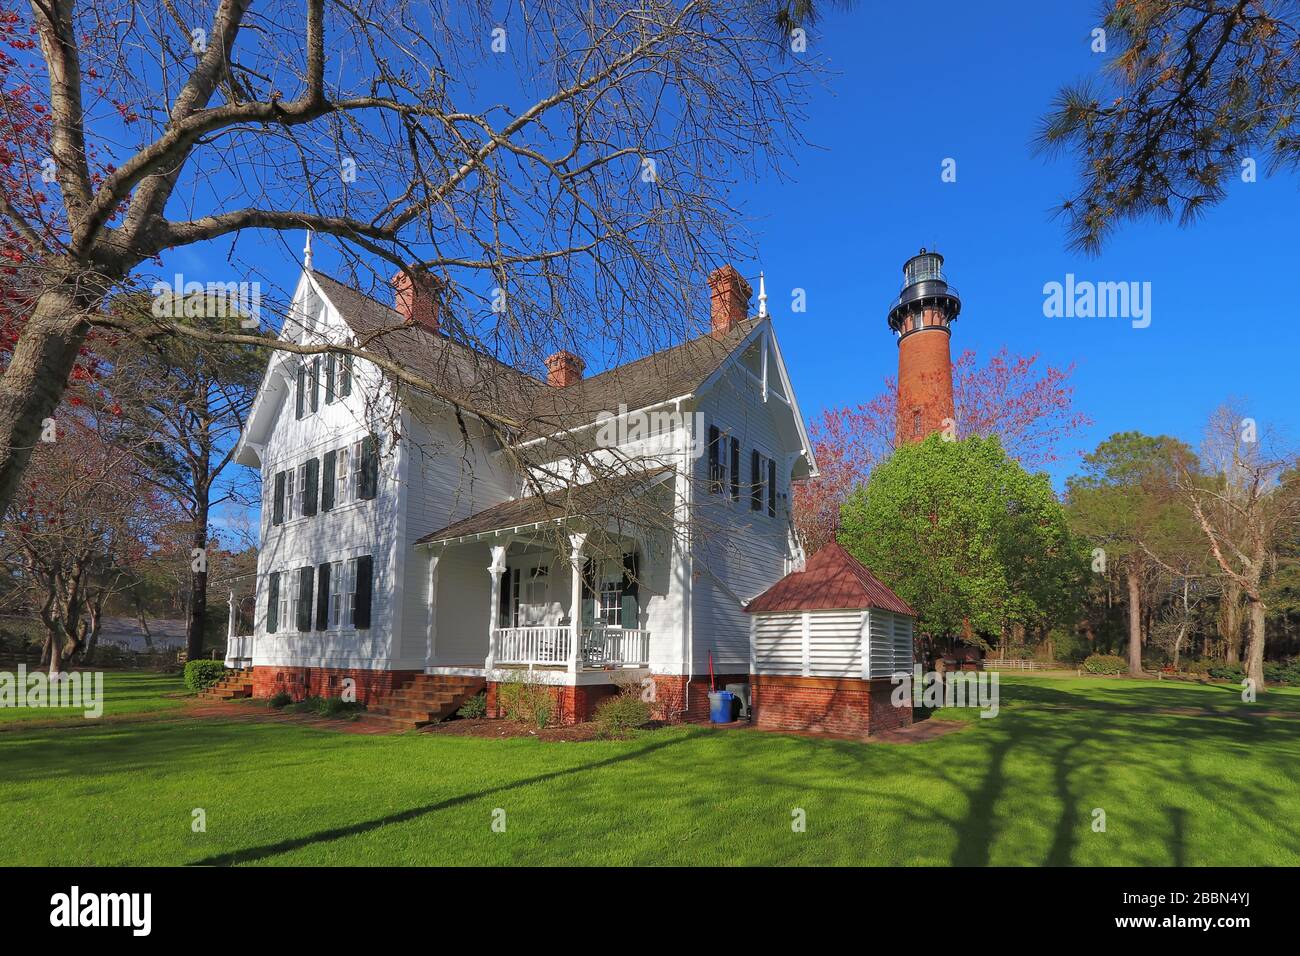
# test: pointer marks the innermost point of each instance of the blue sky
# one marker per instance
(969, 82)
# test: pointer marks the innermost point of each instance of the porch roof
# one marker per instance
(603, 497)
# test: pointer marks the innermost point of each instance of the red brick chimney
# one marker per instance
(729, 300)
(417, 301)
(563, 369)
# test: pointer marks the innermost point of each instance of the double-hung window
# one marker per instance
(609, 610)
(288, 601)
(343, 593)
(343, 476)
(290, 498)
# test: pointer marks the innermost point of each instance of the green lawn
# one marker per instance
(1218, 787)
(125, 692)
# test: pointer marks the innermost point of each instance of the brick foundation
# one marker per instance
(300, 682)
(827, 705)
(573, 704)
(671, 699)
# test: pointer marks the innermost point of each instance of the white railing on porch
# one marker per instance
(550, 646)
(615, 646)
(239, 650)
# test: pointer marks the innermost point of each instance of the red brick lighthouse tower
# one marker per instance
(920, 317)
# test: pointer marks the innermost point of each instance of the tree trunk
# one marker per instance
(56, 656)
(1230, 620)
(1255, 644)
(197, 620)
(1134, 622)
(34, 382)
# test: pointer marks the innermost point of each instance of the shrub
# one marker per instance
(201, 674)
(323, 707)
(476, 706)
(281, 699)
(1230, 672)
(619, 715)
(526, 702)
(1105, 664)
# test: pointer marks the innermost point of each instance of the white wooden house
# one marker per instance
(406, 549)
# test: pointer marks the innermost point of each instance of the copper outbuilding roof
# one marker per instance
(832, 580)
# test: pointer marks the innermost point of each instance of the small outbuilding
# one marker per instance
(823, 643)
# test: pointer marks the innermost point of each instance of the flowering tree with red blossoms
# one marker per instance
(1029, 408)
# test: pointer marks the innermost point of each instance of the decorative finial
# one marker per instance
(306, 252)
(762, 296)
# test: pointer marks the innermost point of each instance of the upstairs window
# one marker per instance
(717, 469)
(343, 476)
(290, 498)
(762, 488)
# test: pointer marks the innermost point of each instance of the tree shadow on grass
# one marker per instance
(253, 854)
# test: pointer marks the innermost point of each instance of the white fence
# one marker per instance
(991, 663)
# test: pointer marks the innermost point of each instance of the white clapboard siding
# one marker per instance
(902, 643)
(778, 644)
(880, 659)
(835, 644)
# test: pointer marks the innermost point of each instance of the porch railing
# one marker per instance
(604, 646)
(550, 646)
(239, 650)
(547, 646)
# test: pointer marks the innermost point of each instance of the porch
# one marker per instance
(564, 594)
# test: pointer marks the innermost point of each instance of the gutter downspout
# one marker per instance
(688, 605)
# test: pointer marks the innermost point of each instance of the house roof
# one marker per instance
(479, 380)
(832, 579)
(608, 496)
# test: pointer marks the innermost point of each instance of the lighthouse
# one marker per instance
(921, 317)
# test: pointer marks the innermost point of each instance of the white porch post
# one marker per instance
(576, 542)
(431, 638)
(232, 652)
(496, 569)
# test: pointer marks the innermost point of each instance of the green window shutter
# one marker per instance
(328, 482)
(302, 391)
(735, 469)
(771, 487)
(345, 376)
(329, 378)
(315, 383)
(273, 602)
(503, 599)
(323, 597)
(588, 609)
(369, 467)
(365, 591)
(277, 506)
(630, 610)
(715, 465)
(311, 487)
(305, 578)
(755, 481)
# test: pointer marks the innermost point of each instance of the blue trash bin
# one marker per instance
(720, 706)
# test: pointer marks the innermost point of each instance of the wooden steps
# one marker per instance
(426, 699)
(234, 685)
